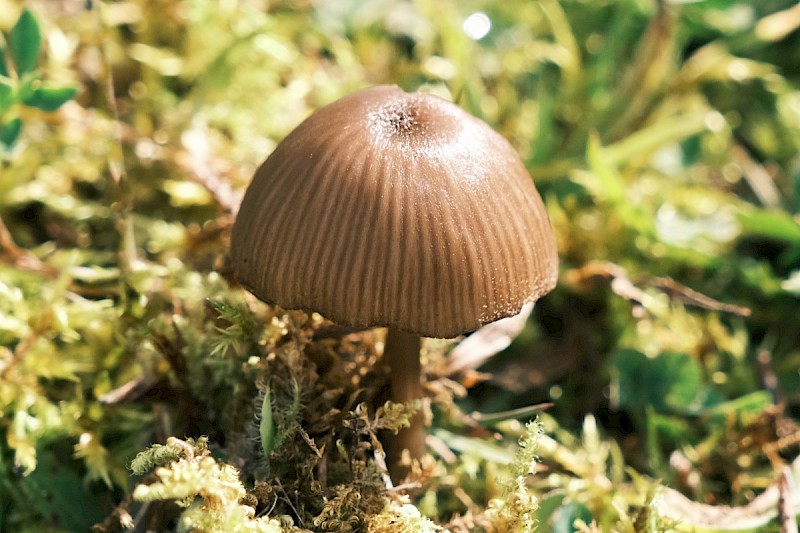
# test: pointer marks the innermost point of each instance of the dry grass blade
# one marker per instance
(776, 502)
(487, 342)
(786, 512)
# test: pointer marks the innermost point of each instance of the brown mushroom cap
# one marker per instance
(388, 208)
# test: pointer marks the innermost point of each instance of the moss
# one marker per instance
(670, 178)
(210, 492)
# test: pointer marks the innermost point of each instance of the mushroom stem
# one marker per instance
(401, 355)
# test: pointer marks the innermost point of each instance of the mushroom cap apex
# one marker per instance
(387, 208)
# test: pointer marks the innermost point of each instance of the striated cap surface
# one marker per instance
(388, 208)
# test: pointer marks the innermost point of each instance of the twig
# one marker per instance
(628, 288)
(288, 500)
(688, 296)
(768, 377)
(20, 257)
(412, 485)
(760, 181)
(121, 200)
(380, 461)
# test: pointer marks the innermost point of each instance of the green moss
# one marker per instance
(663, 137)
(210, 492)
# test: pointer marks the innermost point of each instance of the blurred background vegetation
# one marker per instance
(663, 136)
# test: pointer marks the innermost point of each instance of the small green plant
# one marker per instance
(20, 80)
(515, 510)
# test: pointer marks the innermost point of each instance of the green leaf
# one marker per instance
(3, 63)
(565, 516)
(772, 224)
(548, 507)
(648, 140)
(484, 449)
(9, 131)
(53, 490)
(25, 87)
(667, 427)
(751, 404)
(6, 95)
(267, 427)
(50, 98)
(25, 41)
(668, 382)
(609, 184)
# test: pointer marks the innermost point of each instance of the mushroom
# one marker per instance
(396, 209)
